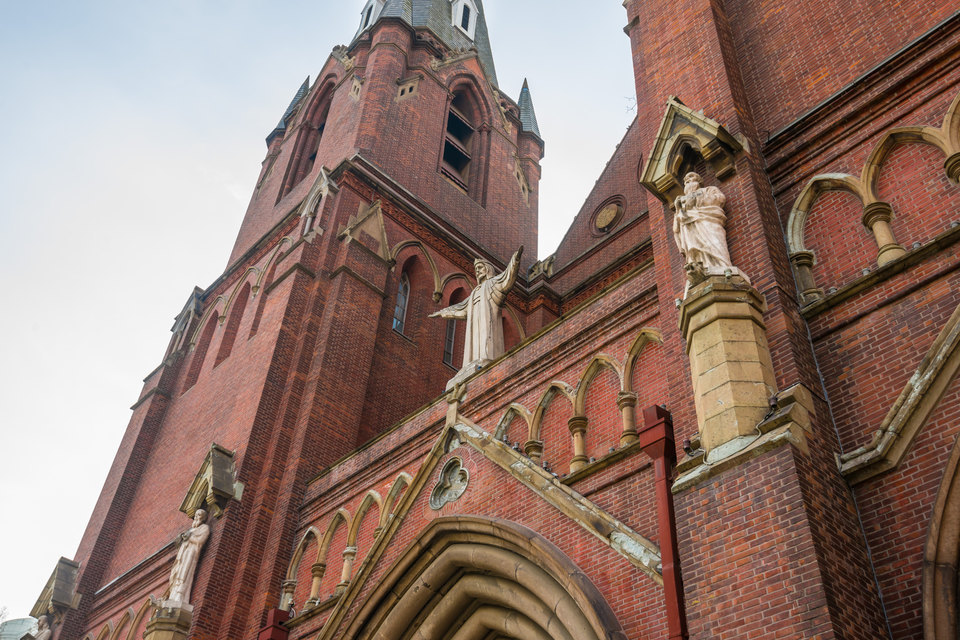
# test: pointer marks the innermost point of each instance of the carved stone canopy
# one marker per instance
(214, 485)
(684, 134)
(60, 593)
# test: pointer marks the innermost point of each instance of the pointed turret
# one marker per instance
(528, 117)
(460, 24)
(297, 97)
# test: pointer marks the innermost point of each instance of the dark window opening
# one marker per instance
(457, 142)
(400, 311)
(366, 20)
(465, 18)
(448, 343)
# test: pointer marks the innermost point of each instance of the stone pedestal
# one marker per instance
(733, 381)
(170, 622)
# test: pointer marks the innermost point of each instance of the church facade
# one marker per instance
(726, 406)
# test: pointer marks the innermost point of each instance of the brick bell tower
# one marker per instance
(314, 339)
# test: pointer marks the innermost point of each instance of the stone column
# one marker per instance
(627, 403)
(722, 322)
(169, 623)
(316, 575)
(803, 269)
(578, 430)
(349, 555)
(286, 594)
(876, 217)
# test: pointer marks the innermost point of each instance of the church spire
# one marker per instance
(460, 24)
(528, 117)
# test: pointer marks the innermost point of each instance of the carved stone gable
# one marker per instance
(214, 485)
(683, 134)
(367, 226)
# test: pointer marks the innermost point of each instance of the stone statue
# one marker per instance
(698, 228)
(190, 543)
(484, 335)
(44, 632)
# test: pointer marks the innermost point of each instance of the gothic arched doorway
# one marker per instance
(941, 555)
(469, 578)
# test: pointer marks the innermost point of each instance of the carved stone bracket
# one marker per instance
(60, 593)
(214, 485)
(684, 131)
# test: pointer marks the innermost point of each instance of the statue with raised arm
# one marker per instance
(184, 568)
(698, 229)
(484, 335)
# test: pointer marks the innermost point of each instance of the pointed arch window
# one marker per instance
(308, 144)
(403, 297)
(464, 14)
(458, 141)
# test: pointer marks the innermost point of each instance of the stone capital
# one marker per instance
(626, 399)
(803, 259)
(577, 424)
(877, 212)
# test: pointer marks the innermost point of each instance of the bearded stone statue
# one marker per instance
(481, 310)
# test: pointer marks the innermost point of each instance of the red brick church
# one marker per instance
(725, 407)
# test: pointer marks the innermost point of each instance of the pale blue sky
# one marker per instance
(133, 137)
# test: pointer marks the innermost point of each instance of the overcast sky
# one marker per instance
(133, 135)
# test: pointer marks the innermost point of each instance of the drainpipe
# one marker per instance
(656, 440)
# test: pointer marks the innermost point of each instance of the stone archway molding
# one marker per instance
(942, 556)
(483, 577)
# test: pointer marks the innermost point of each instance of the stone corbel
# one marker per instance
(683, 130)
(214, 485)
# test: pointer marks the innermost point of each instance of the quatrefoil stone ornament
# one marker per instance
(451, 484)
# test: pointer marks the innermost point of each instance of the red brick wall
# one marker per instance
(796, 55)
(896, 511)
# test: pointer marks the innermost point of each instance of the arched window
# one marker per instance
(400, 311)
(458, 140)
(233, 323)
(200, 352)
(465, 17)
(308, 142)
(451, 356)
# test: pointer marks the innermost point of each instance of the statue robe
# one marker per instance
(698, 229)
(484, 334)
(185, 566)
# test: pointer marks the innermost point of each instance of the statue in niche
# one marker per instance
(190, 543)
(481, 310)
(698, 228)
(44, 632)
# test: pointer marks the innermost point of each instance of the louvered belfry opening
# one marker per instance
(457, 152)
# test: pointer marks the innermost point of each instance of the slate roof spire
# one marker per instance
(297, 97)
(437, 15)
(528, 117)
